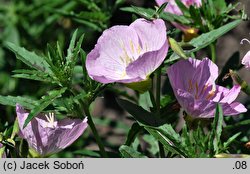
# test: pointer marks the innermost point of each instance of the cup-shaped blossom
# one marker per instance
(46, 135)
(173, 8)
(128, 54)
(193, 82)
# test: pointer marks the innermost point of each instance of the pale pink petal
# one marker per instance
(112, 54)
(234, 108)
(122, 47)
(152, 34)
(246, 60)
(199, 96)
(147, 63)
(69, 135)
(206, 72)
(181, 79)
(230, 95)
(48, 140)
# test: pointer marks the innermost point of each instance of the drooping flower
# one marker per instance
(246, 59)
(128, 54)
(193, 82)
(46, 135)
(173, 8)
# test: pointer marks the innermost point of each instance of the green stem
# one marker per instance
(158, 90)
(96, 135)
(213, 51)
(158, 105)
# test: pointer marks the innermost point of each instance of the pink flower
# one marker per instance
(46, 135)
(128, 54)
(193, 82)
(173, 8)
(246, 60)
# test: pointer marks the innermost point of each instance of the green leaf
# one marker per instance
(146, 13)
(216, 131)
(129, 152)
(15, 129)
(175, 18)
(29, 58)
(182, 7)
(12, 101)
(230, 140)
(168, 137)
(133, 132)
(145, 101)
(43, 103)
(71, 46)
(207, 38)
(161, 8)
(33, 75)
(2, 151)
(220, 4)
(138, 113)
(154, 146)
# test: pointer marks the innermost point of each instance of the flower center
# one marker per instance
(51, 120)
(127, 58)
(194, 88)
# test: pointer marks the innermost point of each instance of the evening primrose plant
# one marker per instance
(176, 108)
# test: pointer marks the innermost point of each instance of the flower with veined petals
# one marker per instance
(128, 54)
(173, 8)
(193, 82)
(246, 59)
(46, 135)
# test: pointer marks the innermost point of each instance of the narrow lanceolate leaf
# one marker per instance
(207, 38)
(146, 13)
(29, 58)
(71, 46)
(138, 112)
(133, 132)
(12, 101)
(43, 103)
(15, 129)
(33, 75)
(129, 152)
(216, 130)
(169, 138)
(230, 140)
